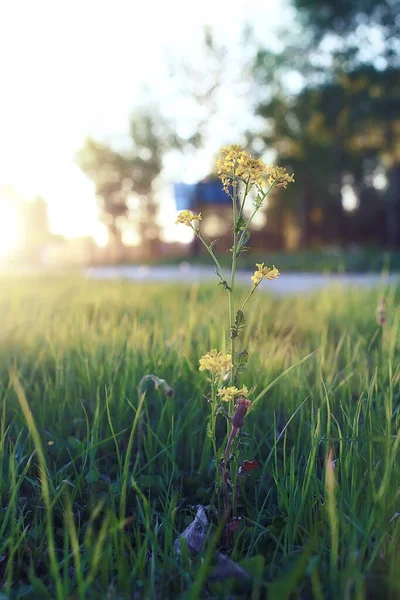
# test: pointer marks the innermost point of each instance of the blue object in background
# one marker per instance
(211, 192)
(185, 195)
(191, 196)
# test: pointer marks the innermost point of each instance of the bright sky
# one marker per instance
(73, 68)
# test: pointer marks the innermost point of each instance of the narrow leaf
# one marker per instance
(242, 357)
(280, 376)
(240, 225)
(239, 325)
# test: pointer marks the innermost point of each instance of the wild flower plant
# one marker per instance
(242, 177)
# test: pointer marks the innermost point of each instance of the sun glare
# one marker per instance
(8, 229)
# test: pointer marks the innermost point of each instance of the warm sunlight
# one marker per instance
(8, 228)
(74, 102)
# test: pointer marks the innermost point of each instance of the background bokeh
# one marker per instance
(112, 117)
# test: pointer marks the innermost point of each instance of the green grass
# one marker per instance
(96, 486)
(321, 260)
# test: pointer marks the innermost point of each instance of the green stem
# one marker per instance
(232, 284)
(246, 191)
(249, 295)
(217, 483)
(256, 209)
(234, 471)
(211, 253)
(213, 423)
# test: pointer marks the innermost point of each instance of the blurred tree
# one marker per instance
(207, 84)
(342, 122)
(152, 138)
(345, 130)
(375, 68)
(125, 181)
(110, 171)
(355, 24)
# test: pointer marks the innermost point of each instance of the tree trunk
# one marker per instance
(116, 245)
(303, 210)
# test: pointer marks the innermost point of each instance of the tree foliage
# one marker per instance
(124, 181)
(343, 126)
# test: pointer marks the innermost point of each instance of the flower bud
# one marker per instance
(159, 384)
(381, 312)
(240, 412)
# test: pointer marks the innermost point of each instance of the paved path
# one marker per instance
(286, 284)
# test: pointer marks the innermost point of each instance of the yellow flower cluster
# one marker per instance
(280, 177)
(264, 273)
(186, 217)
(230, 393)
(235, 163)
(215, 362)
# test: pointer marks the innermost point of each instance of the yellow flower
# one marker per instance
(229, 393)
(280, 177)
(234, 163)
(256, 278)
(264, 273)
(186, 217)
(215, 362)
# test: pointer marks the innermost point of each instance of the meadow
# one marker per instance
(96, 486)
(321, 260)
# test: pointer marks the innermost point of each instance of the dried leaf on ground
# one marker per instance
(195, 534)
